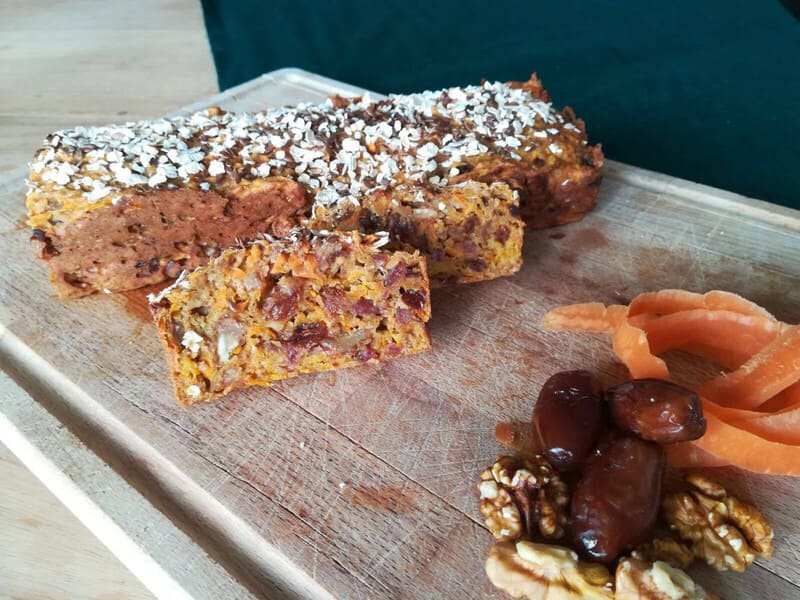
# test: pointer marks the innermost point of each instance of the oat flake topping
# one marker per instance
(338, 151)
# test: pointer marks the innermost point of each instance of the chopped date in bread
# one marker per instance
(468, 232)
(124, 206)
(275, 308)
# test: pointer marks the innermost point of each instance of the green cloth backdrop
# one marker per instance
(707, 90)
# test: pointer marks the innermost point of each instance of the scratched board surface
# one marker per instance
(365, 478)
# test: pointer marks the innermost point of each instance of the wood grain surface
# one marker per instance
(65, 63)
(53, 565)
(364, 479)
(67, 561)
(81, 62)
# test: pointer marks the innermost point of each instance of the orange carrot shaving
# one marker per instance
(747, 450)
(788, 397)
(767, 373)
(730, 415)
(783, 426)
(688, 456)
(592, 316)
(730, 359)
(517, 436)
(631, 346)
(721, 329)
(671, 301)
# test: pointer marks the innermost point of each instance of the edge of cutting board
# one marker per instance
(157, 550)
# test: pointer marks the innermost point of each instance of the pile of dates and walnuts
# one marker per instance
(592, 499)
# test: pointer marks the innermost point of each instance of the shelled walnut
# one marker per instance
(723, 531)
(523, 497)
(641, 580)
(665, 549)
(534, 571)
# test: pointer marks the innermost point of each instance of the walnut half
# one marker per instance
(534, 571)
(640, 580)
(523, 497)
(665, 549)
(722, 530)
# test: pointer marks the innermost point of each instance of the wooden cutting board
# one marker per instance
(361, 483)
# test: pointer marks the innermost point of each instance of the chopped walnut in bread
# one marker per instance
(275, 308)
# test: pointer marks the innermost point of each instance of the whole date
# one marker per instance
(615, 504)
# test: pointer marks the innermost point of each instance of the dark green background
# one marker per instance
(707, 90)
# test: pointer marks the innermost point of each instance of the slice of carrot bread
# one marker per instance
(123, 206)
(276, 308)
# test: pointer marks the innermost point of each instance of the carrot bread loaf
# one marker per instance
(275, 308)
(122, 206)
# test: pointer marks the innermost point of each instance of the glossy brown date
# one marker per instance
(658, 411)
(615, 503)
(568, 418)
